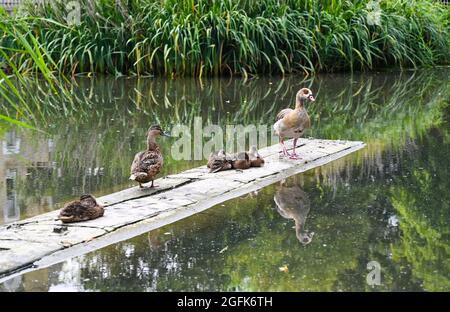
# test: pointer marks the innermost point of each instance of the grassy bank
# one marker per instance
(212, 38)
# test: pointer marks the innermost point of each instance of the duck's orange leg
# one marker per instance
(151, 186)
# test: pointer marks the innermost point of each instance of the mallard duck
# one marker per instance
(256, 159)
(240, 161)
(292, 123)
(218, 161)
(86, 208)
(147, 164)
(293, 203)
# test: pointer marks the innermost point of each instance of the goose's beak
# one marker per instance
(166, 134)
(311, 98)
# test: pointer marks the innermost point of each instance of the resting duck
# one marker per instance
(255, 158)
(84, 209)
(218, 161)
(240, 161)
(292, 123)
(293, 203)
(147, 164)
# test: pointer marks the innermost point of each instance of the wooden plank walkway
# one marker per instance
(36, 243)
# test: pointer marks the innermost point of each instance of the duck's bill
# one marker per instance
(166, 134)
(311, 98)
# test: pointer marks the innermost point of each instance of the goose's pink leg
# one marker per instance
(294, 154)
(284, 151)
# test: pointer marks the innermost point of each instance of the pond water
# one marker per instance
(318, 231)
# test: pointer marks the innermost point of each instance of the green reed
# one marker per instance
(212, 38)
(27, 75)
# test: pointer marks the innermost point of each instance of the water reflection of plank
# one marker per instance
(131, 212)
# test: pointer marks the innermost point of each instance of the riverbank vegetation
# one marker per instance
(215, 38)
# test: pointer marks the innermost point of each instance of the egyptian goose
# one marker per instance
(292, 123)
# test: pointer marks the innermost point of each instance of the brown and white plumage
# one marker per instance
(218, 161)
(292, 123)
(147, 164)
(86, 208)
(240, 161)
(256, 159)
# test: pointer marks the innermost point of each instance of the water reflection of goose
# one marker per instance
(293, 203)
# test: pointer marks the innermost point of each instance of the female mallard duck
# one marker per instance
(147, 164)
(255, 158)
(84, 209)
(218, 161)
(292, 123)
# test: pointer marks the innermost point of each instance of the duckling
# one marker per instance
(240, 161)
(218, 161)
(147, 164)
(86, 208)
(293, 203)
(255, 158)
(292, 123)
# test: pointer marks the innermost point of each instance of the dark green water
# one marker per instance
(317, 231)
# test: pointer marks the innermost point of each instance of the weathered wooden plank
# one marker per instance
(136, 192)
(24, 244)
(17, 254)
(134, 211)
(50, 233)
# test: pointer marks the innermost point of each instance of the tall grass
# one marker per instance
(246, 37)
(23, 57)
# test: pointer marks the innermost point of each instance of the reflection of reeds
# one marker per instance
(367, 102)
(398, 136)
